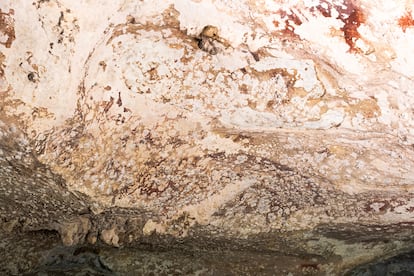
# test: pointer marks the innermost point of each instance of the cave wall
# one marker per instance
(277, 126)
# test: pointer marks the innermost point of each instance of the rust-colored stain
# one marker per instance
(291, 20)
(7, 27)
(350, 14)
(324, 8)
(355, 18)
(294, 18)
(406, 21)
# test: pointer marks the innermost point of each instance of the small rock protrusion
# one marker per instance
(74, 232)
(110, 237)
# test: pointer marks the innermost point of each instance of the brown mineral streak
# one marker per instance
(7, 27)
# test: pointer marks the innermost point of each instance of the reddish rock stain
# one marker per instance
(352, 17)
(291, 20)
(406, 21)
(323, 10)
(355, 18)
(348, 12)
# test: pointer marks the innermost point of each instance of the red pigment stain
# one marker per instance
(352, 17)
(406, 21)
(350, 29)
(324, 8)
(349, 13)
(291, 20)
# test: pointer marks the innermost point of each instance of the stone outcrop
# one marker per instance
(269, 135)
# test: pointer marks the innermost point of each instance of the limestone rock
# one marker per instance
(283, 127)
(74, 232)
(109, 236)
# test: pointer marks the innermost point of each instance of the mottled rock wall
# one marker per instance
(278, 126)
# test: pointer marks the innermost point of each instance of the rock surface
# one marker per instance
(218, 128)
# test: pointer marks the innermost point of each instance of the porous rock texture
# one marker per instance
(205, 137)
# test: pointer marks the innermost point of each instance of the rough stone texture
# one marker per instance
(229, 129)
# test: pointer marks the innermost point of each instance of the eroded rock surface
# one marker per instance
(278, 127)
